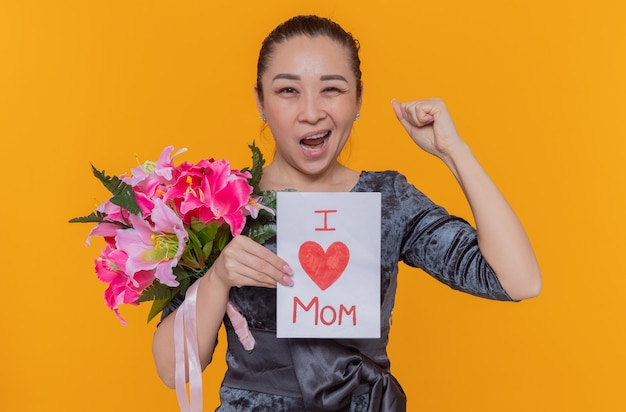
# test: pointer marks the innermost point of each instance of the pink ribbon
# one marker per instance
(240, 324)
(186, 340)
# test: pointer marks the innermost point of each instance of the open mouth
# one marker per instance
(316, 141)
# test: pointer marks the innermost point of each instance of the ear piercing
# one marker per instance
(263, 117)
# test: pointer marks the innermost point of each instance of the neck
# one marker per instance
(337, 178)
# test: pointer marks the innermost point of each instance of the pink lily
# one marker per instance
(110, 268)
(113, 214)
(211, 192)
(150, 176)
(155, 244)
(254, 206)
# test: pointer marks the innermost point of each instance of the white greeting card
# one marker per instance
(332, 242)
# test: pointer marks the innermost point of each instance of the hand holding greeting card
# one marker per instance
(332, 242)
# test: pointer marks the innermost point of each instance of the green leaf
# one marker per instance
(94, 217)
(201, 241)
(157, 307)
(206, 233)
(194, 242)
(158, 291)
(269, 199)
(262, 232)
(184, 275)
(123, 194)
(257, 167)
(207, 249)
(222, 237)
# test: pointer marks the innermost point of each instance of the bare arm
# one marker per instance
(242, 263)
(501, 237)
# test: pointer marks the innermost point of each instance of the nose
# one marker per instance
(311, 109)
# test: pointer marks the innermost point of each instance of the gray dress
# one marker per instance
(352, 374)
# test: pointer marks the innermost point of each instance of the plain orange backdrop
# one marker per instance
(536, 87)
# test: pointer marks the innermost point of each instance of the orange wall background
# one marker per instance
(537, 88)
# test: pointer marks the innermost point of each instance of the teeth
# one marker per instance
(316, 136)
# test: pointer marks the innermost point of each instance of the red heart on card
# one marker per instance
(324, 268)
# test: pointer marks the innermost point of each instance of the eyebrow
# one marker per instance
(333, 77)
(289, 76)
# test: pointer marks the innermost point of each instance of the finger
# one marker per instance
(270, 264)
(418, 113)
(245, 276)
(261, 264)
(399, 112)
(270, 269)
(397, 109)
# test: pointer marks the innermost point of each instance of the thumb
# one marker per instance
(397, 108)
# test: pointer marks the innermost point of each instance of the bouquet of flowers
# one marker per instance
(165, 225)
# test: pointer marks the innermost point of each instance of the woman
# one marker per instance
(308, 91)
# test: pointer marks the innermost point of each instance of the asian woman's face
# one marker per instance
(310, 102)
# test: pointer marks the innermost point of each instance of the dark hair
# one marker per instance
(309, 26)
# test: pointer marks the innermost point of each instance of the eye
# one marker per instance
(332, 91)
(287, 90)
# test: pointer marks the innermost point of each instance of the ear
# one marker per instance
(259, 102)
(360, 100)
